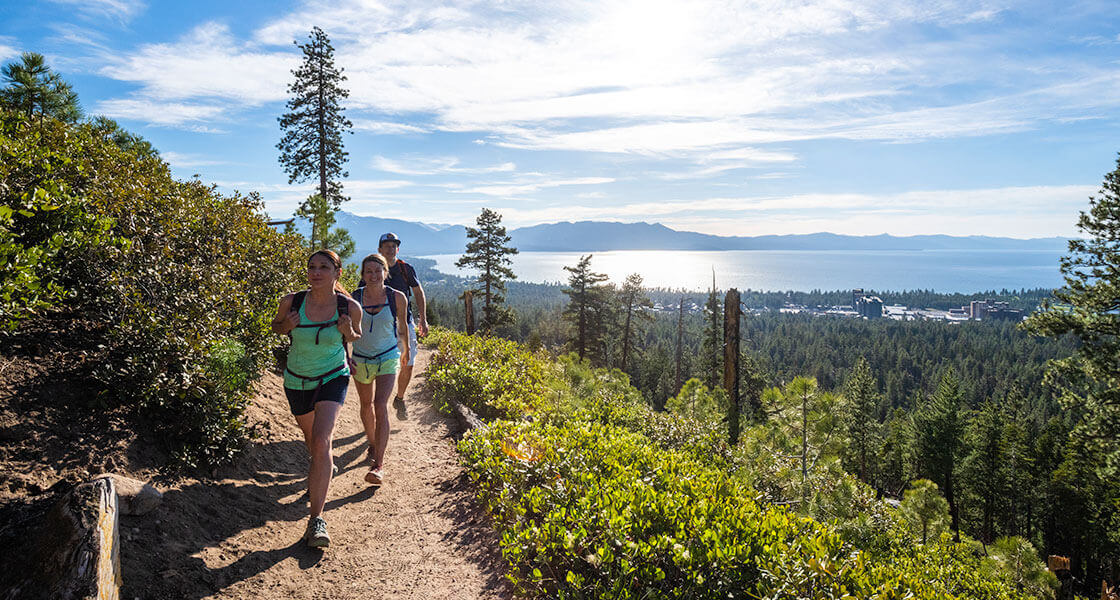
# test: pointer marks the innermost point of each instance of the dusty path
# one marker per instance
(419, 536)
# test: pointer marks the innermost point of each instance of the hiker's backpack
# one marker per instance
(343, 307)
(390, 299)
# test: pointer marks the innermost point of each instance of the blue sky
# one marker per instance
(970, 117)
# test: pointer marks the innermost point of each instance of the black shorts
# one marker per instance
(303, 401)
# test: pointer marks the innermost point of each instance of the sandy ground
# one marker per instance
(421, 535)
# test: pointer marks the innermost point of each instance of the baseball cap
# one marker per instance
(389, 237)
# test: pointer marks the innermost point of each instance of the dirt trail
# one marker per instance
(419, 536)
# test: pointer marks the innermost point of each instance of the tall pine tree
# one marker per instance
(588, 310)
(488, 253)
(633, 301)
(938, 431)
(1089, 308)
(861, 403)
(313, 126)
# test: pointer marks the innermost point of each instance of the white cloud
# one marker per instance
(435, 166)
(7, 52)
(530, 185)
(182, 160)
(206, 63)
(122, 10)
(174, 114)
(387, 127)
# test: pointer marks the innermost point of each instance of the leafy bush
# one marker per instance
(42, 219)
(606, 499)
(180, 277)
(494, 377)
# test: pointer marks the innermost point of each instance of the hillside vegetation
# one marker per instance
(172, 283)
(598, 496)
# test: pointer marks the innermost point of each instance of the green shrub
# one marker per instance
(42, 220)
(179, 276)
(494, 377)
(604, 498)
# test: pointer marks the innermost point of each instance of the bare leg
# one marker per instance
(402, 380)
(322, 430)
(380, 402)
(365, 396)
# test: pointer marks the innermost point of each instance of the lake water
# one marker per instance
(940, 270)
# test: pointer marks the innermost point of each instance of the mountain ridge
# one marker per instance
(419, 238)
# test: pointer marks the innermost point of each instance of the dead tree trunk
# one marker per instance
(468, 305)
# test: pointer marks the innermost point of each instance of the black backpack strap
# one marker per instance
(297, 299)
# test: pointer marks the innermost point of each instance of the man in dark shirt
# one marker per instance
(402, 277)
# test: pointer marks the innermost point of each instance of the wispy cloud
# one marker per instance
(182, 160)
(121, 10)
(7, 51)
(387, 127)
(205, 76)
(528, 185)
(436, 166)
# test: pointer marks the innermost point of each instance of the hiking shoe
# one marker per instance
(373, 477)
(317, 536)
(402, 412)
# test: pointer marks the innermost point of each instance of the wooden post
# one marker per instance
(731, 362)
(1060, 567)
(468, 303)
(680, 339)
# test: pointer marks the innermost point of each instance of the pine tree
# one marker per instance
(313, 126)
(588, 310)
(32, 88)
(861, 403)
(488, 253)
(711, 349)
(938, 428)
(323, 234)
(1089, 308)
(985, 466)
(633, 299)
(925, 510)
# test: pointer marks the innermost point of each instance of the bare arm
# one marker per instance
(286, 319)
(350, 325)
(402, 325)
(422, 308)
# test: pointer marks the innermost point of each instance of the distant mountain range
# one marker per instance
(419, 239)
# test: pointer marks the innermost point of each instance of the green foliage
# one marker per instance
(588, 311)
(488, 254)
(596, 496)
(1087, 307)
(1015, 562)
(312, 148)
(34, 90)
(925, 511)
(493, 377)
(635, 304)
(938, 431)
(44, 221)
(180, 279)
(861, 416)
(319, 212)
(698, 401)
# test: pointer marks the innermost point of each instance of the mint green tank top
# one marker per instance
(310, 359)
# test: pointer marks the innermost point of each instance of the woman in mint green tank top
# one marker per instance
(320, 320)
(377, 356)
